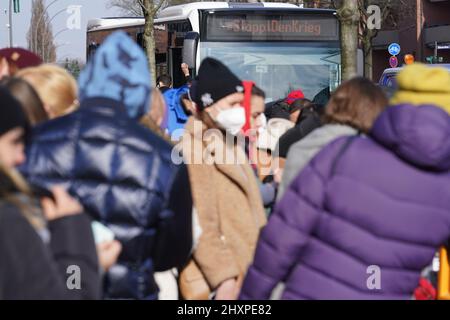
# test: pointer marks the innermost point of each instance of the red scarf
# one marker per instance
(248, 85)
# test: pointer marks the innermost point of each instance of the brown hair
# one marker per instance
(56, 87)
(257, 91)
(28, 98)
(357, 103)
(15, 190)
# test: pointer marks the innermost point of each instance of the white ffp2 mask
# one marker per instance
(231, 120)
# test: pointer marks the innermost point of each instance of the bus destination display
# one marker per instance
(251, 27)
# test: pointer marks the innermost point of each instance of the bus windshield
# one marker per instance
(280, 67)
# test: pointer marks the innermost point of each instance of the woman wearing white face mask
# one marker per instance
(226, 195)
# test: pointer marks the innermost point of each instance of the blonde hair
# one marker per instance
(157, 111)
(55, 86)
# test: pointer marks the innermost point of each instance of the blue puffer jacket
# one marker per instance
(121, 172)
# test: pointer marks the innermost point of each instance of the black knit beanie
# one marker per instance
(214, 82)
(11, 113)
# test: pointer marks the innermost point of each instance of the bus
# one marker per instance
(281, 47)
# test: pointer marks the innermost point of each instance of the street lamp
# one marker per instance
(57, 14)
(50, 21)
(62, 44)
(39, 21)
(10, 24)
(6, 14)
(59, 32)
(58, 46)
(14, 7)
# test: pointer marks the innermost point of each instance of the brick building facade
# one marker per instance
(417, 33)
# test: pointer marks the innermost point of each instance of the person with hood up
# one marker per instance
(224, 187)
(367, 214)
(120, 171)
(176, 114)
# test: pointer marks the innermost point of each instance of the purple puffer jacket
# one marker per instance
(385, 204)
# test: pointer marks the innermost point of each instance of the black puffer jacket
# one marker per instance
(32, 268)
(309, 121)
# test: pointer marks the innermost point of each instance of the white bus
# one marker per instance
(279, 46)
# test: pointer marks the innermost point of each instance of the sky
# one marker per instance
(71, 43)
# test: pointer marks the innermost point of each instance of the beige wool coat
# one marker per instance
(228, 201)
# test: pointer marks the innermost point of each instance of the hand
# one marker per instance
(227, 290)
(278, 165)
(185, 69)
(108, 252)
(278, 175)
(63, 206)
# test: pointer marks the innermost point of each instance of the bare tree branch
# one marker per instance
(40, 34)
(127, 7)
(159, 5)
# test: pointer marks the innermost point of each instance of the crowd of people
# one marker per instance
(207, 192)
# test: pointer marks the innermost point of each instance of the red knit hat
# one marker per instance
(294, 95)
(21, 58)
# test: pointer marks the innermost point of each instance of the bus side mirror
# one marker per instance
(190, 49)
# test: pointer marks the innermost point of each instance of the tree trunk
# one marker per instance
(419, 31)
(348, 15)
(368, 59)
(149, 43)
(150, 10)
